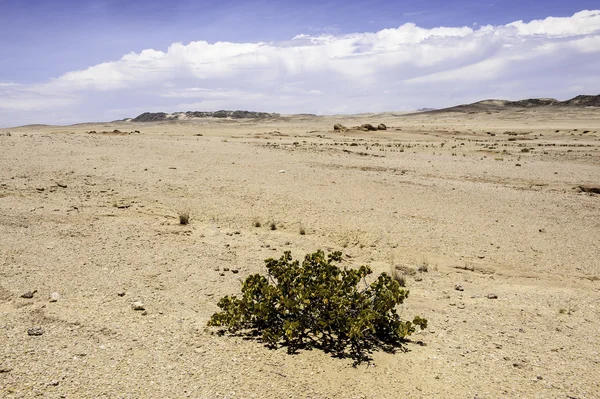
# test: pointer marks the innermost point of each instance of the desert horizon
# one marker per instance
(581, 100)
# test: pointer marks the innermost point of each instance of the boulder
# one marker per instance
(381, 126)
(368, 127)
(339, 127)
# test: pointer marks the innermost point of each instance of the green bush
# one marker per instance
(317, 304)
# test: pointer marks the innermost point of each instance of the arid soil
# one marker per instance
(484, 201)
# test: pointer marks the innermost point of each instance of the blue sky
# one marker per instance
(65, 58)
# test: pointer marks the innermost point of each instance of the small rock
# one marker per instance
(282, 171)
(40, 188)
(460, 305)
(137, 305)
(492, 296)
(339, 127)
(35, 331)
(367, 127)
(518, 164)
(28, 294)
(145, 313)
(221, 274)
(217, 269)
(61, 185)
(54, 297)
(225, 269)
(122, 293)
(235, 271)
(459, 287)
(5, 369)
(381, 126)
(589, 189)
(53, 383)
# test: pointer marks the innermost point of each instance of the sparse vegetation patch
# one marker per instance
(316, 304)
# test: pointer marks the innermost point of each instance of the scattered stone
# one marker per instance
(492, 296)
(35, 331)
(518, 164)
(122, 293)
(235, 271)
(61, 185)
(381, 126)
(589, 189)
(460, 305)
(459, 287)
(225, 269)
(28, 294)
(368, 127)
(5, 369)
(217, 268)
(53, 383)
(221, 274)
(54, 297)
(339, 127)
(138, 305)
(40, 188)
(145, 313)
(282, 171)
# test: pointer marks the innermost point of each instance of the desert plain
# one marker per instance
(486, 213)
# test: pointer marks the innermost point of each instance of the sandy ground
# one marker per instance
(486, 201)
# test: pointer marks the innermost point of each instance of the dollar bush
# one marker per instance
(316, 304)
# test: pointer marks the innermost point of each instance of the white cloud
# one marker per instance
(392, 69)
(581, 23)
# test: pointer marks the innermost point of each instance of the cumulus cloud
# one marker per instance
(400, 68)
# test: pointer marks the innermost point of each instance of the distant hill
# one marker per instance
(163, 116)
(489, 105)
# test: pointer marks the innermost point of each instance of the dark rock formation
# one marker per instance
(532, 102)
(368, 127)
(496, 105)
(162, 116)
(583, 101)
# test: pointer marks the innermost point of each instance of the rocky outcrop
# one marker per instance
(162, 116)
(532, 102)
(338, 127)
(150, 117)
(583, 101)
(497, 105)
(368, 127)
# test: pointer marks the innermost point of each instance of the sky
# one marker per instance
(68, 61)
